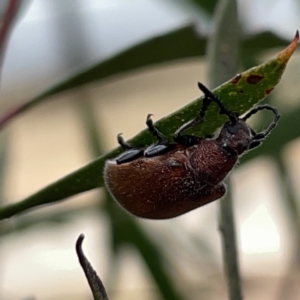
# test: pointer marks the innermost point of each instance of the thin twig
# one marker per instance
(230, 252)
(223, 59)
(94, 281)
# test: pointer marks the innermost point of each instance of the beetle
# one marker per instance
(168, 179)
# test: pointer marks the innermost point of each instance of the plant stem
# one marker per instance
(223, 50)
(229, 247)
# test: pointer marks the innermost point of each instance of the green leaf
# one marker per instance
(177, 44)
(157, 50)
(204, 5)
(238, 94)
(207, 5)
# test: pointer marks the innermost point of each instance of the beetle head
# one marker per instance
(235, 137)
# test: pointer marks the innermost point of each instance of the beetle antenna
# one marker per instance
(253, 111)
(223, 110)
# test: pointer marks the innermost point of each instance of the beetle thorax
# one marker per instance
(209, 163)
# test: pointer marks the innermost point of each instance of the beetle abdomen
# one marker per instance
(158, 188)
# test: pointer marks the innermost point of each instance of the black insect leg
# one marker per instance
(122, 143)
(160, 137)
(190, 140)
(132, 152)
(161, 146)
(254, 144)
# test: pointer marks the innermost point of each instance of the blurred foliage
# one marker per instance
(179, 44)
(204, 6)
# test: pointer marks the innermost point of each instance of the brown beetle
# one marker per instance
(167, 179)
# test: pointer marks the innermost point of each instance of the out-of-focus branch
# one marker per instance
(7, 21)
(223, 50)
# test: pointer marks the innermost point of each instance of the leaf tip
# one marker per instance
(285, 55)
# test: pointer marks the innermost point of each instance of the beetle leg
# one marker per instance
(162, 145)
(132, 152)
(254, 144)
(161, 138)
(190, 140)
(122, 143)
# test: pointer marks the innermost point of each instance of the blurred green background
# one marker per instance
(174, 259)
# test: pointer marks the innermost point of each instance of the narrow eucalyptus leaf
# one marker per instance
(239, 94)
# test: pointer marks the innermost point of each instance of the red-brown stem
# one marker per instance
(8, 17)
